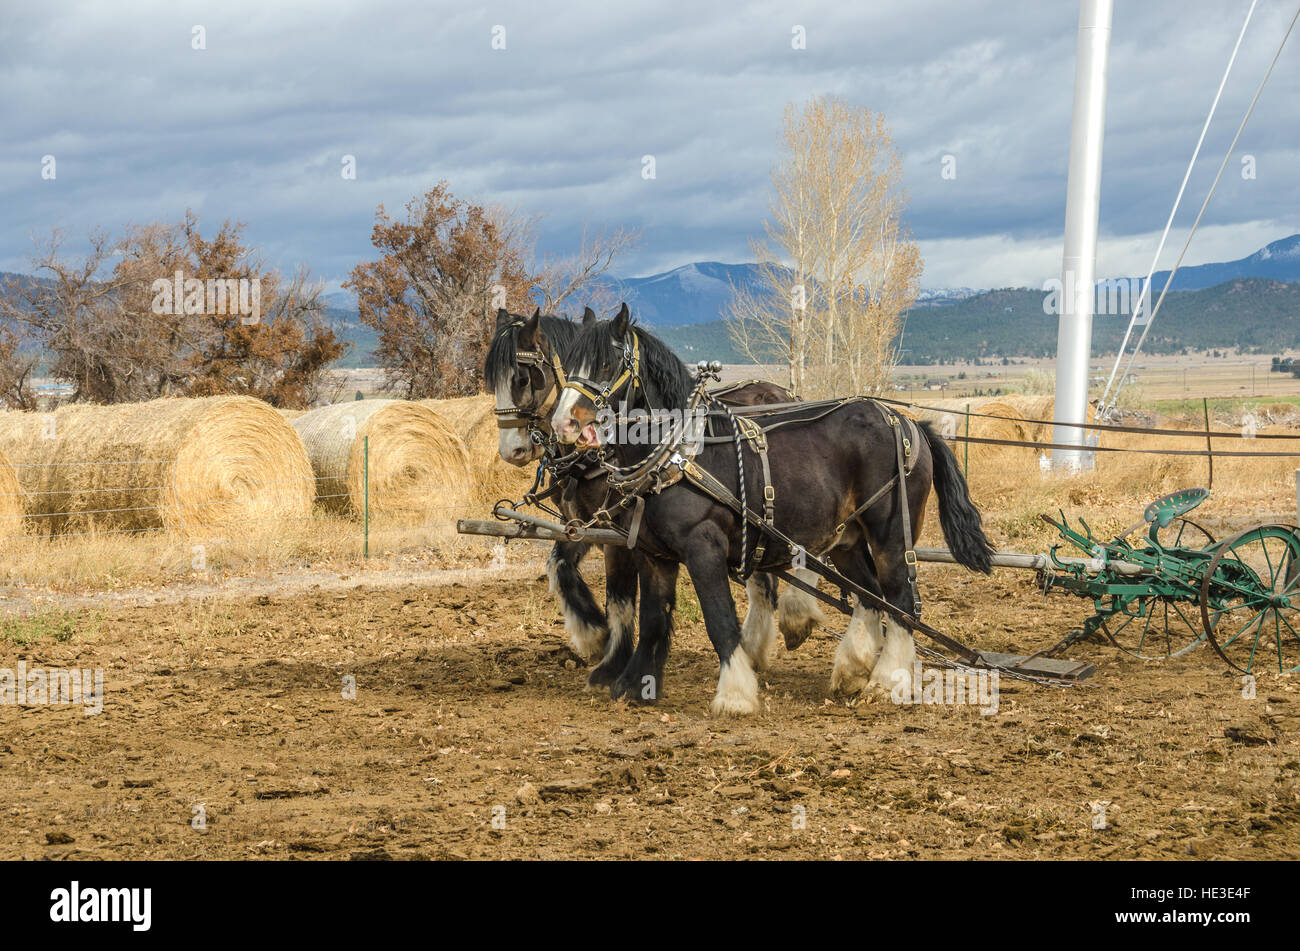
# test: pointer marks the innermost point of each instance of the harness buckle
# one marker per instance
(909, 557)
(769, 493)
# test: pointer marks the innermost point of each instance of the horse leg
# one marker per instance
(706, 561)
(798, 612)
(759, 629)
(863, 641)
(642, 679)
(897, 660)
(583, 619)
(899, 655)
(620, 609)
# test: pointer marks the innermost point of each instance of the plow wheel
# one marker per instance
(1250, 600)
(1184, 533)
(1154, 628)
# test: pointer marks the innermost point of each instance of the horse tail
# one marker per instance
(963, 528)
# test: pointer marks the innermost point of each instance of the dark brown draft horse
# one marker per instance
(521, 369)
(823, 469)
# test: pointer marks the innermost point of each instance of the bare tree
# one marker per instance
(445, 270)
(575, 278)
(100, 319)
(17, 366)
(838, 268)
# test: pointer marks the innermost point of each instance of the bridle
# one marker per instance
(519, 417)
(602, 396)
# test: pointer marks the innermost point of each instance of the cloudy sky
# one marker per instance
(254, 127)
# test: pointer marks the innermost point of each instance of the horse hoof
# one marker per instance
(847, 685)
(796, 634)
(737, 693)
(588, 642)
(601, 676)
(733, 706)
(632, 691)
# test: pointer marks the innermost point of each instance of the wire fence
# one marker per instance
(64, 523)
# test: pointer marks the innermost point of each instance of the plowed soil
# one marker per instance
(472, 735)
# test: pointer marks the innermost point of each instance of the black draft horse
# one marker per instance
(520, 370)
(823, 469)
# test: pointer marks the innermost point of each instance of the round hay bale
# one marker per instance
(418, 464)
(474, 419)
(11, 500)
(1013, 418)
(188, 464)
(290, 413)
(1036, 411)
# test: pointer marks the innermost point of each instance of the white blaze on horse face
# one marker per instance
(563, 424)
(514, 445)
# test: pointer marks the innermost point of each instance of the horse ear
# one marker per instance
(531, 332)
(503, 317)
(622, 320)
(588, 316)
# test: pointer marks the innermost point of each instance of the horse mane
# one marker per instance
(662, 368)
(500, 362)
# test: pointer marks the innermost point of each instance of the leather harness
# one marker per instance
(666, 465)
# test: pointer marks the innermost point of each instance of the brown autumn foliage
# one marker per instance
(104, 328)
(16, 368)
(434, 292)
(282, 358)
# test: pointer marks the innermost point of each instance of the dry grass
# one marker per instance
(1011, 490)
(1006, 484)
(11, 500)
(110, 561)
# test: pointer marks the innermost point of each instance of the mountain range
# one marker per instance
(1253, 302)
(1279, 260)
(700, 292)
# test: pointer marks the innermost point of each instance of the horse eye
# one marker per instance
(521, 378)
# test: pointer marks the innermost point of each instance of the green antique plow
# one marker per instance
(1175, 586)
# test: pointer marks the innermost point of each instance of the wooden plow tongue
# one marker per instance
(511, 523)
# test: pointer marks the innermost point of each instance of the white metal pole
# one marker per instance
(1079, 258)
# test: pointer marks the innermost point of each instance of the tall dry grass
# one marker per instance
(1011, 490)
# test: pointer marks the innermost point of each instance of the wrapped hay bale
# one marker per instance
(417, 463)
(185, 464)
(474, 419)
(11, 500)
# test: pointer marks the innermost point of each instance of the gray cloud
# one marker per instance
(253, 128)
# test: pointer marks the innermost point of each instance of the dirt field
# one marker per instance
(467, 701)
